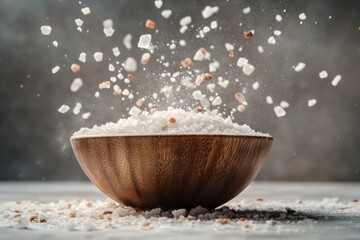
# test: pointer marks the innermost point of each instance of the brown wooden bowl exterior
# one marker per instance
(171, 171)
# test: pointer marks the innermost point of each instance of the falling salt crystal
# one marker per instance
(98, 56)
(336, 80)
(116, 51)
(97, 94)
(256, 85)
(277, 32)
(158, 3)
(77, 108)
(248, 69)
(130, 65)
(79, 22)
(279, 111)
(260, 49)
(271, 40)
(241, 62)
(284, 104)
(55, 43)
(213, 24)
(311, 102)
(76, 84)
(86, 10)
(144, 41)
(105, 85)
(323, 74)
(269, 100)
(82, 57)
(45, 30)
(300, 67)
(127, 41)
(185, 21)
(214, 66)
(134, 111)
(111, 67)
(209, 11)
(63, 109)
(166, 13)
(246, 10)
(229, 46)
(86, 115)
(278, 18)
(302, 16)
(217, 101)
(55, 69)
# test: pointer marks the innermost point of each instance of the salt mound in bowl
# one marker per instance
(172, 167)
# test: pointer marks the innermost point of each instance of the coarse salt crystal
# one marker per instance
(97, 94)
(311, 102)
(214, 66)
(158, 3)
(63, 109)
(299, 67)
(271, 40)
(82, 57)
(248, 69)
(200, 54)
(150, 24)
(127, 41)
(55, 43)
(269, 100)
(256, 85)
(183, 29)
(277, 32)
(240, 97)
(55, 69)
(144, 41)
(186, 62)
(241, 62)
(278, 18)
(185, 21)
(206, 29)
(302, 16)
(213, 25)
(77, 108)
(86, 10)
(166, 13)
(217, 101)
(45, 30)
(108, 23)
(109, 32)
(79, 22)
(130, 64)
(323, 74)
(116, 51)
(75, 68)
(145, 58)
(111, 67)
(134, 111)
(86, 115)
(105, 85)
(246, 10)
(182, 43)
(229, 46)
(284, 104)
(241, 108)
(260, 49)
(279, 111)
(76, 84)
(209, 11)
(224, 83)
(113, 79)
(98, 56)
(336, 80)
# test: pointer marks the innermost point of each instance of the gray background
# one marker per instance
(319, 143)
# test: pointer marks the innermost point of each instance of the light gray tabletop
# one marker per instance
(322, 211)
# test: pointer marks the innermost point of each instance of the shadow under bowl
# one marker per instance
(171, 171)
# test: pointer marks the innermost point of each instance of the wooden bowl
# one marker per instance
(171, 171)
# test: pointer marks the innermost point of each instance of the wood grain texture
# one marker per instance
(171, 171)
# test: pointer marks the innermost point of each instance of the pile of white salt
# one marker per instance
(172, 121)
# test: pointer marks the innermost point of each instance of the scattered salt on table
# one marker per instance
(299, 67)
(209, 11)
(311, 102)
(127, 41)
(63, 109)
(75, 68)
(185, 21)
(278, 18)
(144, 41)
(130, 64)
(246, 10)
(284, 104)
(323, 74)
(76, 84)
(79, 22)
(116, 51)
(55, 69)
(86, 115)
(166, 13)
(336, 80)
(302, 16)
(256, 85)
(271, 40)
(134, 111)
(77, 108)
(105, 85)
(82, 57)
(98, 56)
(269, 100)
(55, 43)
(45, 30)
(279, 111)
(86, 10)
(158, 3)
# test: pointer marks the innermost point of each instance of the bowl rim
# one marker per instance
(264, 136)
